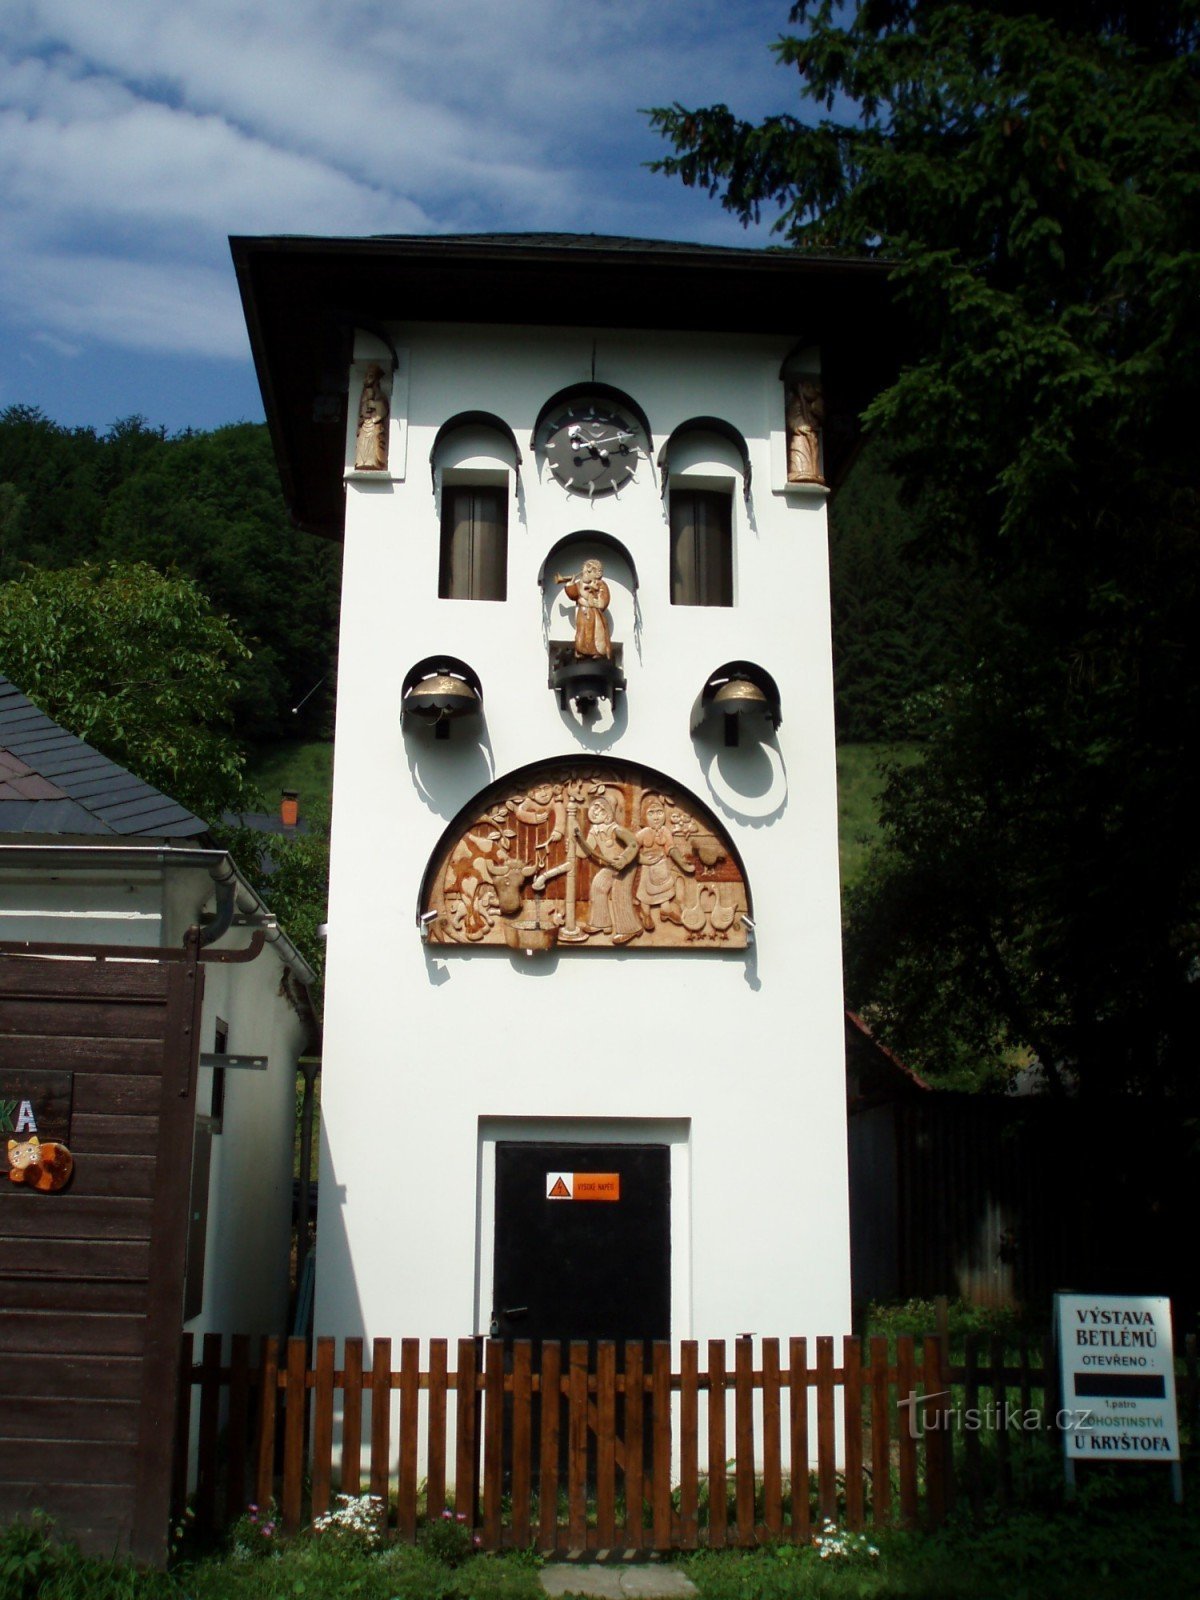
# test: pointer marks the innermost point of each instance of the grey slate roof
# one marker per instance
(53, 783)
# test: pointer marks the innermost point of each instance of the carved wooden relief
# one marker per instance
(587, 856)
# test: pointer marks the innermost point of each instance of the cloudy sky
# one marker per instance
(136, 135)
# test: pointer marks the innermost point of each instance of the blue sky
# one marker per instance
(136, 135)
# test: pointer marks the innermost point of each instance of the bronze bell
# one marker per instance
(738, 696)
(439, 698)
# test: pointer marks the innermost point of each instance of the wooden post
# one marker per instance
(635, 1412)
(464, 1434)
(435, 1477)
(772, 1444)
(410, 1400)
(493, 1441)
(322, 1455)
(971, 1439)
(853, 1422)
(183, 1423)
(689, 1443)
(239, 1426)
(352, 1395)
(660, 1503)
(268, 1400)
(606, 1441)
(826, 1434)
(381, 1417)
(881, 1445)
(798, 1396)
(295, 1404)
(522, 1441)
(551, 1392)
(577, 1441)
(936, 1429)
(909, 1407)
(718, 1510)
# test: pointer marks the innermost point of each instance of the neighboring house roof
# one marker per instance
(53, 783)
(265, 822)
(873, 1072)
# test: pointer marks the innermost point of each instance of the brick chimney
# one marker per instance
(289, 807)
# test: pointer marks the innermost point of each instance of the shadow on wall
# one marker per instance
(747, 781)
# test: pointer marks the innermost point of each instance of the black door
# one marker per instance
(582, 1268)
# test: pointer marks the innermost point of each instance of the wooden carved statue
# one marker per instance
(805, 420)
(593, 636)
(594, 857)
(371, 440)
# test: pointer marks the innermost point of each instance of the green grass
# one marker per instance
(859, 785)
(303, 765)
(1122, 1538)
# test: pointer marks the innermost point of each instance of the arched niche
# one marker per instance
(688, 445)
(481, 434)
(565, 558)
(739, 689)
(586, 854)
(606, 546)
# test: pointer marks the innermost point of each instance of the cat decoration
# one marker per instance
(41, 1166)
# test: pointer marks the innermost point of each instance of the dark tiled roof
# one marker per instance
(53, 783)
(610, 243)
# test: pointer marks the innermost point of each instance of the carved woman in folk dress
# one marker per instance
(659, 853)
(614, 850)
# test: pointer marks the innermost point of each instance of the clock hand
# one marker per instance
(578, 438)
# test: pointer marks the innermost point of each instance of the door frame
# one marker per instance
(675, 1132)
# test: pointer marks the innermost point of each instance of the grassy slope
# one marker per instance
(859, 784)
(303, 765)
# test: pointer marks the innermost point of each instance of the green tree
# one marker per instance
(204, 504)
(1032, 179)
(292, 875)
(139, 665)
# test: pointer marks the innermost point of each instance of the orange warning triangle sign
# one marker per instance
(559, 1191)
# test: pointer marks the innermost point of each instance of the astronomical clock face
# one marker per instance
(592, 446)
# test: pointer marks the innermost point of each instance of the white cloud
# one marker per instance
(135, 136)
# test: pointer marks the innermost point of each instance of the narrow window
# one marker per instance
(474, 563)
(701, 548)
(216, 1109)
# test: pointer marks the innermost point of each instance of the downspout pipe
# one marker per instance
(221, 920)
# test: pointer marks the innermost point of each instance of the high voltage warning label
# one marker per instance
(583, 1186)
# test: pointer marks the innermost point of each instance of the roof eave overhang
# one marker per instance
(304, 296)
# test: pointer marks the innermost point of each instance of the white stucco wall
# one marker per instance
(426, 1047)
(248, 1243)
(75, 907)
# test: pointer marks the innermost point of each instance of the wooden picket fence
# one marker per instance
(637, 1455)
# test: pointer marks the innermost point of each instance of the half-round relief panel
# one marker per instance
(586, 854)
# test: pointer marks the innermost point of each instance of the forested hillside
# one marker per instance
(206, 505)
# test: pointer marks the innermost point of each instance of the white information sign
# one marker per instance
(1118, 1377)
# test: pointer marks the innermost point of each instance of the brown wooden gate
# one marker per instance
(91, 1278)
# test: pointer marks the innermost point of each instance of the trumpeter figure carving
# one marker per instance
(593, 636)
